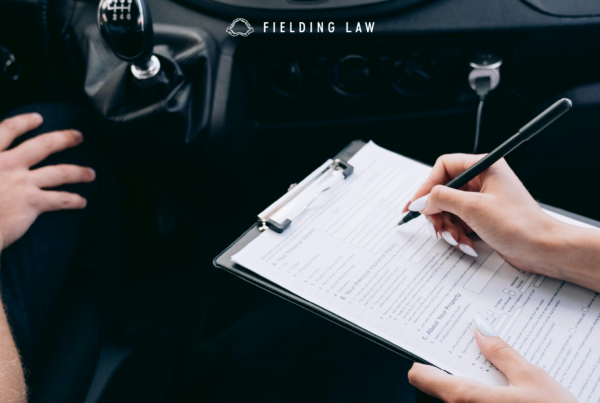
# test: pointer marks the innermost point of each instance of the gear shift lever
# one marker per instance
(126, 25)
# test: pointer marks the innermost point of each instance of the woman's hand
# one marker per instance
(527, 382)
(22, 199)
(495, 205)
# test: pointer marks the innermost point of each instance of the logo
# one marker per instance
(249, 28)
(283, 27)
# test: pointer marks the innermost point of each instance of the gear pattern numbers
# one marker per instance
(117, 10)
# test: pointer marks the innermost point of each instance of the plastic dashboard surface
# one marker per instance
(571, 8)
(297, 9)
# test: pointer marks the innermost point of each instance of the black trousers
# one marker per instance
(34, 269)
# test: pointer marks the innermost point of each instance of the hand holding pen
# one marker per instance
(492, 201)
(495, 205)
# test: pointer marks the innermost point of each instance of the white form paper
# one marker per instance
(346, 254)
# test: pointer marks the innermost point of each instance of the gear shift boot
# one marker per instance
(170, 83)
(143, 92)
(179, 96)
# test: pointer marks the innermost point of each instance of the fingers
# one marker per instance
(434, 225)
(449, 388)
(55, 200)
(38, 148)
(432, 381)
(465, 244)
(442, 198)
(454, 232)
(458, 221)
(12, 128)
(448, 230)
(57, 175)
(516, 368)
(445, 168)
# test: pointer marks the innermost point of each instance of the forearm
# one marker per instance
(12, 380)
(573, 254)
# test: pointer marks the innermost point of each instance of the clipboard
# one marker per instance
(223, 261)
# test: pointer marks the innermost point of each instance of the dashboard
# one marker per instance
(298, 9)
(340, 85)
(348, 80)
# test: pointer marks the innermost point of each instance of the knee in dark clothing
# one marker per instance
(34, 268)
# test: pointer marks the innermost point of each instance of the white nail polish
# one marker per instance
(468, 250)
(418, 204)
(484, 326)
(448, 238)
(431, 228)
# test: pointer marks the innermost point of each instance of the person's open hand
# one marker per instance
(495, 205)
(527, 383)
(22, 198)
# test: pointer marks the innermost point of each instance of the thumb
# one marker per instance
(457, 202)
(450, 388)
(432, 381)
(503, 356)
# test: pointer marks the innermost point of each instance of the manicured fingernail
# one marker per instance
(468, 250)
(449, 238)
(84, 202)
(418, 204)
(92, 173)
(37, 116)
(431, 228)
(484, 327)
(77, 134)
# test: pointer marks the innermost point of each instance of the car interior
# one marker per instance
(203, 121)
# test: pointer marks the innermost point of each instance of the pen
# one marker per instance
(526, 132)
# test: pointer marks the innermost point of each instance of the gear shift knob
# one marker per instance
(126, 25)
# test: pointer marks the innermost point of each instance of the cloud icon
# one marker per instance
(231, 32)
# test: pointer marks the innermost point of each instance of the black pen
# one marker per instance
(526, 132)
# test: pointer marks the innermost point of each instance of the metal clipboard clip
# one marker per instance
(279, 216)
